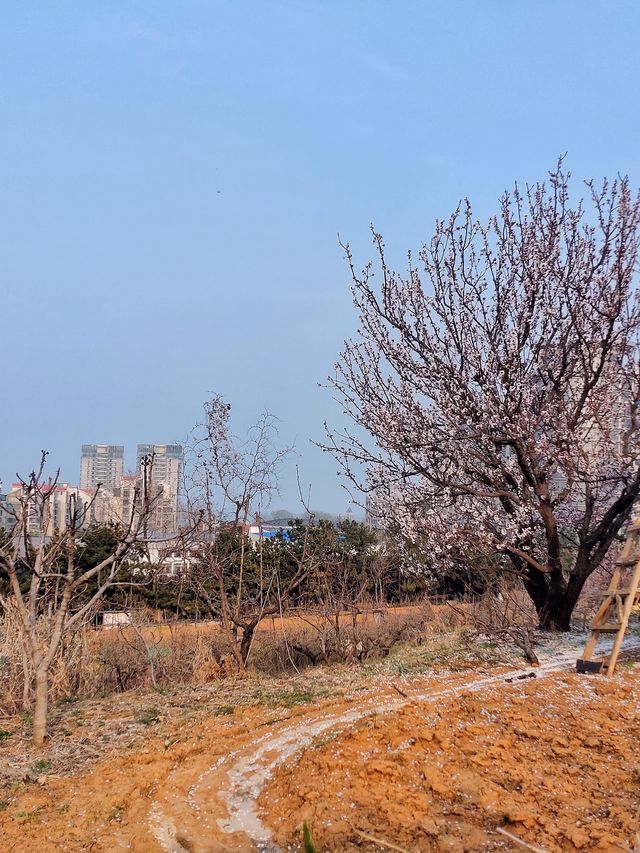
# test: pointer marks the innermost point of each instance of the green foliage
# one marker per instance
(287, 698)
(148, 716)
(350, 562)
(97, 544)
(343, 556)
(307, 838)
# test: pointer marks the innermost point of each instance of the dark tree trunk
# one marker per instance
(246, 641)
(556, 616)
(536, 585)
(553, 600)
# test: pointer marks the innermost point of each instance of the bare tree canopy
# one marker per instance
(43, 580)
(230, 481)
(494, 385)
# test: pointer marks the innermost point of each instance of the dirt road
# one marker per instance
(244, 781)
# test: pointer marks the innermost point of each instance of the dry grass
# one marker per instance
(84, 729)
(98, 663)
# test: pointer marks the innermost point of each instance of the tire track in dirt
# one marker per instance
(236, 781)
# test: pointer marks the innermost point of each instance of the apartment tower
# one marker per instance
(101, 464)
(165, 475)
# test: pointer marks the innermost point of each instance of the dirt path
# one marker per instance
(238, 780)
(206, 785)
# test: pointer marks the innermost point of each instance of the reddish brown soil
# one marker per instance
(555, 762)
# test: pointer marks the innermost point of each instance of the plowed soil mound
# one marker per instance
(555, 762)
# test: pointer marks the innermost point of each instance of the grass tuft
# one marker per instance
(223, 710)
(307, 839)
(148, 716)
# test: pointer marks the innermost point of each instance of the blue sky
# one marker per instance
(173, 177)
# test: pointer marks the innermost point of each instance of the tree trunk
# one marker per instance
(41, 706)
(552, 598)
(555, 618)
(247, 640)
(555, 595)
(556, 612)
(26, 683)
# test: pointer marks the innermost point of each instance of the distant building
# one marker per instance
(53, 510)
(128, 486)
(165, 477)
(6, 517)
(174, 560)
(101, 464)
(373, 519)
(268, 530)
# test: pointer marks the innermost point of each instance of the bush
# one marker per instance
(99, 662)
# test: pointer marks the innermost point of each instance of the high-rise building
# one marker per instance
(164, 477)
(101, 464)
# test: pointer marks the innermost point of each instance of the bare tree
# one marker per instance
(504, 614)
(229, 481)
(494, 387)
(45, 586)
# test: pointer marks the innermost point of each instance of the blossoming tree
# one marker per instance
(494, 386)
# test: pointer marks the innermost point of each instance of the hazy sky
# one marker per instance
(173, 176)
